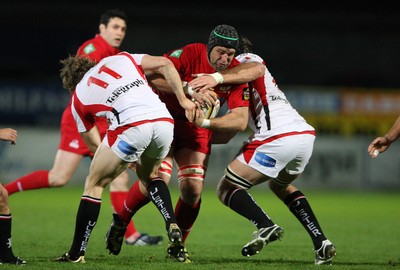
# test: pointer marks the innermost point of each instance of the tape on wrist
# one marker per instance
(206, 123)
(217, 77)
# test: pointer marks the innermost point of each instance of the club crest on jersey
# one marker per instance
(246, 94)
(176, 53)
(89, 48)
(125, 148)
(265, 160)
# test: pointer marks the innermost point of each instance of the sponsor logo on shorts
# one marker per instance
(125, 148)
(265, 160)
(74, 144)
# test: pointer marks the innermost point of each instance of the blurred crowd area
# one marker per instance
(345, 111)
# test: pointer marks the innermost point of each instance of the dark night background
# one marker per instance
(303, 44)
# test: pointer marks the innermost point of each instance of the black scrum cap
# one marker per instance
(225, 36)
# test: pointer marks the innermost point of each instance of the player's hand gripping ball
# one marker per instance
(211, 111)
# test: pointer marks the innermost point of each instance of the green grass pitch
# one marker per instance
(364, 226)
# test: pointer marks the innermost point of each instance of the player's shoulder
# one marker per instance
(87, 47)
(234, 63)
(249, 57)
(96, 47)
(189, 49)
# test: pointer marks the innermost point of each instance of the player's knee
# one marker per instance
(235, 179)
(3, 199)
(229, 184)
(195, 172)
(282, 180)
(191, 189)
(58, 180)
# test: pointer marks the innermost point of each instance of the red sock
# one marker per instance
(186, 215)
(133, 202)
(117, 201)
(34, 180)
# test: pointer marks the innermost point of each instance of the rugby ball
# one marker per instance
(211, 111)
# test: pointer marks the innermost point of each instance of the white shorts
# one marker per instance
(152, 139)
(272, 154)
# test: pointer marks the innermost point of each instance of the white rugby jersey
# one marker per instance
(269, 107)
(116, 88)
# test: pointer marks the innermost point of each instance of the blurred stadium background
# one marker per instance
(337, 63)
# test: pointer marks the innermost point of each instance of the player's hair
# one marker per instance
(73, 70)
(245, 45)
(112, 13)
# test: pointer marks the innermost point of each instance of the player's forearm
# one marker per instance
(174, 81)
(394, 131)
(235, 121)
(92, 139)
(243, 73)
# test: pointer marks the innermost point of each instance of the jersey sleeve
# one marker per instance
(249, 57)
(138, 58)
(239, 97)
(188, 60)
(84, 122)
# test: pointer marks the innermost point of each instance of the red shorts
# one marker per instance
(188, 135)
(71, 140)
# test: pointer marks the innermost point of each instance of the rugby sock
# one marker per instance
(300, 207)
(6, 253)
(86, 219)
(186, 215)
(133, 202)
(117, 201)
(34, 180)
(243, 203)
(160, 196)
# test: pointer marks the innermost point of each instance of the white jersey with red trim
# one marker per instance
(282, 138)
(270, 111)
(116, 88)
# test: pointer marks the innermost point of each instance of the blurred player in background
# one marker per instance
(381, 144)
(6, 254)
(192, 146)
(72, 149)
(278, 152)
(140, 131)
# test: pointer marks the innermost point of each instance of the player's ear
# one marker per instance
(102, 28)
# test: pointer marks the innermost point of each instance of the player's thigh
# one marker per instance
(186, 156)
(246, 172)
(105, 166)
